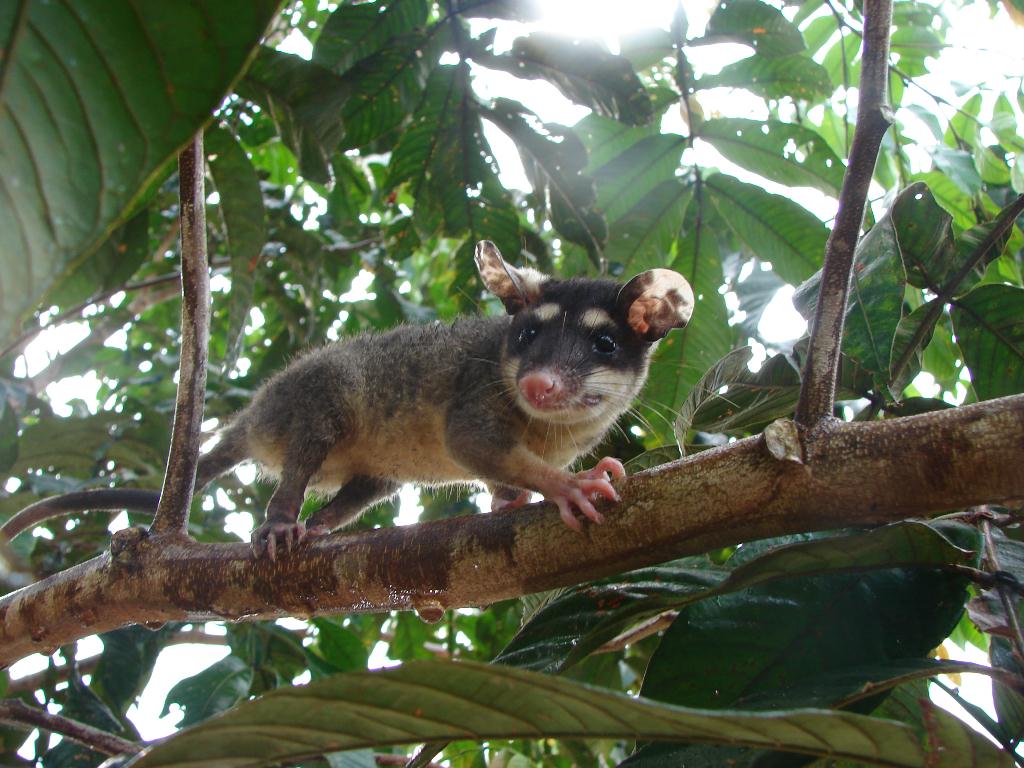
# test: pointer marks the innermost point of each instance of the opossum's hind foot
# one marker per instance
(272, 536)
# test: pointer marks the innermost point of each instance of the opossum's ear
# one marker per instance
(655, 302)
(516, 287)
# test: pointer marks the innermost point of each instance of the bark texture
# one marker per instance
(850, 474)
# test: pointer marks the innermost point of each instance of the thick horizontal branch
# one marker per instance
(853, 474)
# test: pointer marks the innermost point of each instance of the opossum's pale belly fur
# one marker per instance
(413, 449)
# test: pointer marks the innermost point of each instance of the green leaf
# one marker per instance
(783, 152)
(216, 689)
(989, 327)
(304, 100)
(554, 158)
(963, 126)
(583, 70)
(753, 399)
(355, 32)
(919, 325)
(577, 623)
(245, 222)
(763, 643)
(958, 165)
(108, 267)
(642, 237)
(1004, 125)
(795, 77)
(386, 87)
(434, 701)
(450, 169)
(126, 664)
(339, 647)
(756, 24)
(74, 162)
(773, 227)
(636, 172)
(876, 298)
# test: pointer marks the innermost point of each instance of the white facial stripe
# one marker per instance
(547, 312)
(595, 318)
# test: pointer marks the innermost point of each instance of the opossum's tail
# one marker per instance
(99, 499)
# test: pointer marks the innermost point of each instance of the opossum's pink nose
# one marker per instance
(542, 389)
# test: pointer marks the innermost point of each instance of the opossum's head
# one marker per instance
(577, 350)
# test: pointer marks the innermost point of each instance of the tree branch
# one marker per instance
(821, 368)
(19, 714)
(179, 481)
(860, 473)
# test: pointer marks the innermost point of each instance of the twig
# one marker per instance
(991, 727)
(19, 714)
(821, 369)
(86, 666)
(1004, 597)
(179, 481)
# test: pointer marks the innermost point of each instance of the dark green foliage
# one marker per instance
(351, 189)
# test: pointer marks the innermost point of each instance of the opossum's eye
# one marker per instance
(605, 344)
(526, 335)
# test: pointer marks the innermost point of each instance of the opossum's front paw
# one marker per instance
(577, 491)
(607, 468)
(273, 535)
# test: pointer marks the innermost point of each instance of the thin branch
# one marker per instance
(821, 369)
(179, 481)
(20, 715)
(1004, 594)
(87, 665)
(991, 727)
(870, 472)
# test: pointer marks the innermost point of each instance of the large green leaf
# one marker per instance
(989, 327)
(245, 222)
(577, 623)
(786, 153)
(583, 70)
(96, 98)
(387, 86)
(643, 236)
(756, 24)
(636, 172)
(450, 169)
(108, 267)
(876, 298)
(354, 32)
(794, 76)
(434, 701)
(554, 158)
(304, 99)
(761, 642)
(773, 227)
